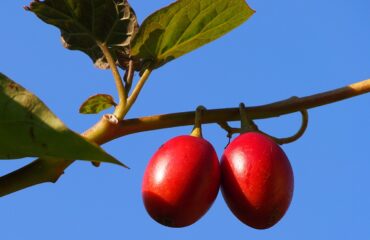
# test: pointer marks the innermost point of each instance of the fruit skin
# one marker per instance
(181, 181)
(256, 180)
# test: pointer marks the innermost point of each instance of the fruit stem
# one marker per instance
(197, 130)
(246, 124)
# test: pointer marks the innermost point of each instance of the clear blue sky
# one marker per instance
(287, 48)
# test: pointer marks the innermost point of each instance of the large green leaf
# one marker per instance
(29, 129)
(85, 24)
(184, 26)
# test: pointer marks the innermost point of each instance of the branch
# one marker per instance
(275, 109)
(41, 170)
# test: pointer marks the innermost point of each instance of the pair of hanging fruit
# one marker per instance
(183, 177)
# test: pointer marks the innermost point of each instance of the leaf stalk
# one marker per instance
(122, 95)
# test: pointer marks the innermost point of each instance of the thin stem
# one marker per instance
(129, 75)
(230, 130)
(131, 100)
(41, 171)
(119, 84)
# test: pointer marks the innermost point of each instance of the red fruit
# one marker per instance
(256, 180)
(181, 181)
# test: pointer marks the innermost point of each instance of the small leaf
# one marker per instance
(85, 24)
(29, 129)
(184, 26)
(97, 103)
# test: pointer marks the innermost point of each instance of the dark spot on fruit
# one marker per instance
(275, 216)
(165, 221)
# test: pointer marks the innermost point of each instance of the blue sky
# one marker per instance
(287, 48)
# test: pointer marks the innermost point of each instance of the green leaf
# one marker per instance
(97, 103)
(184, 26)
(85, 24)
(29, 129)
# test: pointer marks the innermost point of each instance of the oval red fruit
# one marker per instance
(181, 181)
(256, 180)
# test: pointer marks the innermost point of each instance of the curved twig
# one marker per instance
(297, 135)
